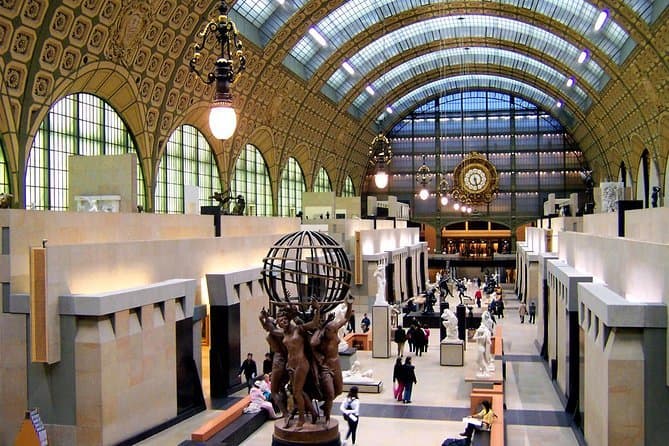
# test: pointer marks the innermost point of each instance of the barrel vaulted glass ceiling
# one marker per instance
(353, 17)
(422, 33)
(473, 82)
(498, 39)
(463, 57)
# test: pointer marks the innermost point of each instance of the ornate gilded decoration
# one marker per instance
(476, 180)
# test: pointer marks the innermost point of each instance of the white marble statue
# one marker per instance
(488, 324)
(612, 192)
(482, 338)
(357, 375)
(380, 275)
(450, 322)
(340, 314)
(487, 321)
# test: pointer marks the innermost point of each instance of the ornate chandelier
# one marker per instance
(380, 155)
(222, 117)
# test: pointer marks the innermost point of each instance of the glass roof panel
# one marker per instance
(423, 33)
(460, 57)
(267, 15)
(475, 82)
(644, 8)
(347, 21)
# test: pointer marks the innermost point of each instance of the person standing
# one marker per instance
(533, 312)
(409, 376)
(267, 364)
(478, 296)
(522, 312)
(350, 327)
(365, 323)
(350, 409)
(426, 338)
(398, 376)
(418, 340)
(249, 370)
(400, 338)
(500, 306)
(411, 337)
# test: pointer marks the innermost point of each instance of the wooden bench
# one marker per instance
(497, 346)
(225, 418)
(495, 437)
(360, 341)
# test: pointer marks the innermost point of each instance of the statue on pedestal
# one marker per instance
(654, 196)
(612, 192)
(380, 274)
(305, 332)
(341, 315)
(450, 322)
(482, 338)
(357, 376)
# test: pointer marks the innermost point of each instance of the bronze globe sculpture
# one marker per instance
(306, 275)
(305, 265)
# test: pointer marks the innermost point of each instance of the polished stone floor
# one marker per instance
(534, 414)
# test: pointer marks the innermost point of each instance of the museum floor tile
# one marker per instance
(534, 414)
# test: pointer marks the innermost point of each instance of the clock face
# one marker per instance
(475, 179)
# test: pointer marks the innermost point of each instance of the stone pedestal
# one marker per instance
(451, 352)
(313, 434)
(367, 386)
(381, 331)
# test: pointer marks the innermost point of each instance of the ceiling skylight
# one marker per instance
(473, 82)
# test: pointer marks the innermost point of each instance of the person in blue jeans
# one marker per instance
(409, 379)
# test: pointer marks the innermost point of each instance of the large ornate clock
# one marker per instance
(475, 180)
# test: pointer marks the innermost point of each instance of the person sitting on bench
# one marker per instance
(486, 415)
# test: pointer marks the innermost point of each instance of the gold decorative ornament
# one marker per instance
(476, 180)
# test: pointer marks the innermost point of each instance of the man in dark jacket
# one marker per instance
(249, 370)
(409, 376)
(400, 338)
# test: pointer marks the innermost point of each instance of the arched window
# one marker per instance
(4, 172)
(322, 183)
(251, 180)
(349, 189)
(188, 161)
(78, 124)
(643, 179)
(290, 191)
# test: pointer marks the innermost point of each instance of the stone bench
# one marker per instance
(231, 426)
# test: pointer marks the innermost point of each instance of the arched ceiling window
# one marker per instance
(459, 56)
(322, 183)
(188, 161)
(78, 124)
(266, 17)
(290, 191)
(424, 33)
(252, 181)
(473, 82)
(353, 17)
(349, 189)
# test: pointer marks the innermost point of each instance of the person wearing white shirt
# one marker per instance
(350, 409)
